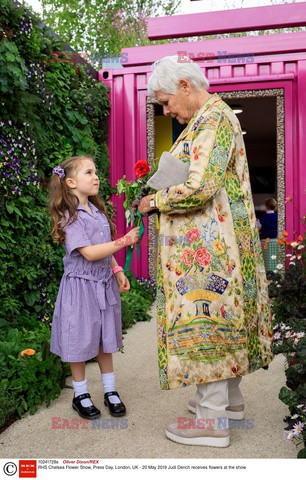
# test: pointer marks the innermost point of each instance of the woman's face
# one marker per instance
(178, 105)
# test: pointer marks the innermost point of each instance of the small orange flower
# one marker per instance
(266, 243)
(28, 352)
(285, 233)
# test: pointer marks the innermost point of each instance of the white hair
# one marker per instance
(168, 71)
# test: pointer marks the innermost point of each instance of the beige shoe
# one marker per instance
(234, 413)
(198, 436)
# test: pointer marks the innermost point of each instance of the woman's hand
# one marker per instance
(123, 281)
(131, 237)
(144, 204)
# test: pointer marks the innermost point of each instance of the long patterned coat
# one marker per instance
(213, 309)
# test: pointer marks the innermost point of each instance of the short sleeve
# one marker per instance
(76, 236)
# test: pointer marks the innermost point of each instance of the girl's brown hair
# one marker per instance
(63, 201)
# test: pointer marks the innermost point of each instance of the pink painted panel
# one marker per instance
(226, 71)
(239, 20)
(300, 174)
(264, 69)
(290, 155)
(277, 68)
(251, 69)
(258, 45)
(290, 67)
(238, 71)
(116, 153)
(248, 80)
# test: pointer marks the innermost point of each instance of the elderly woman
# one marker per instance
(213, 310)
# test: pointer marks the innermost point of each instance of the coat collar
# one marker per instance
(214, 98)
(94, 209)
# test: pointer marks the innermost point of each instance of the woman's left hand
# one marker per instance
(123, 282)
(144, 205)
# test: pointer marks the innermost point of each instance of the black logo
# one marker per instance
(10, 469)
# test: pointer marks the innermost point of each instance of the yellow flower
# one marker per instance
(28, 352)
(218, 246)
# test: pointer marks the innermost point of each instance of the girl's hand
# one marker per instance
(123, 282)
(131, 237)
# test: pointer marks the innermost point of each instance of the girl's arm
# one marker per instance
(103, 250)
(113, 262)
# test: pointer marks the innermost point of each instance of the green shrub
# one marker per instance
(288, 293)
(49, 111)
(28, 380)
(136, 303)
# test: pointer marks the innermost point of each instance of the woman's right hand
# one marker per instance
(131, 237)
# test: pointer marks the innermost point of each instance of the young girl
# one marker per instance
(87, 315)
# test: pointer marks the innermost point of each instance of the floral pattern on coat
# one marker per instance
(213, 309)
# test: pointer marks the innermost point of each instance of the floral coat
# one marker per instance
(213, 309)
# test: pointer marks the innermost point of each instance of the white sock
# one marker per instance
(108, 382)
(79, 389)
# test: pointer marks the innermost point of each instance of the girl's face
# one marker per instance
(86, 182)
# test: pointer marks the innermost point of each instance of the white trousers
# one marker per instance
(212, 399)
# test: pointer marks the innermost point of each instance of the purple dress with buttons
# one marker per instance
(87, 312)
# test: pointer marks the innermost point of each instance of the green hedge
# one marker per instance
(49, 111)
(288, 293)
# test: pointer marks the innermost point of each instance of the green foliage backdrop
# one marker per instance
(49, 111)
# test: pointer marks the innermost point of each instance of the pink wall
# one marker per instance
(238, 20)
(128, 136)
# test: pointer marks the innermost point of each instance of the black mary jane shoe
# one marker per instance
(85, 412)
(115, 409)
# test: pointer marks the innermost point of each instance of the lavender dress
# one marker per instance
(87, 312)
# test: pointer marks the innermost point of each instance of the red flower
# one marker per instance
(141, 168)
(203, 257)
(187, 256)
(192, 235)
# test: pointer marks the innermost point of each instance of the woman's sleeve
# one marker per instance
(211, 147)
(76, 236)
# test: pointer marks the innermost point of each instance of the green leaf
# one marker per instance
(10, 207)
(302, 453)
(10, 57)
(32, 297)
